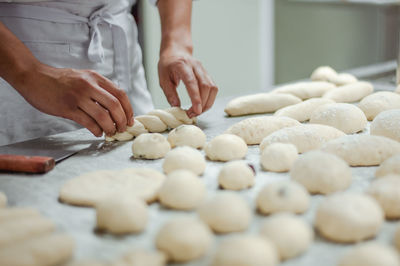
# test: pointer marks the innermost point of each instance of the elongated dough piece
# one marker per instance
(326, 73)
(306, 90)
(47, 250)
(253, 130)
(362, 150)
(378, 102)
(152, 123)
(302, 111)
(389, 167)
(24, 228)
(350, 93)
(259, 103)
(304, 137)
(8, 214)
(166, 117)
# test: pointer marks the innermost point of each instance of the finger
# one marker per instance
(121, 95)
(187, 76)
(100, 115)
(113, 106)
(204, 84)
(211, 97)
(170, 92)
(85, 120)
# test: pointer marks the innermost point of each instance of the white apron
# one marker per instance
(82, 34)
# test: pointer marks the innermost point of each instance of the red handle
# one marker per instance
(26, 164)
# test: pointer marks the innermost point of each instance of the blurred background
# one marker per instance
(249, 45)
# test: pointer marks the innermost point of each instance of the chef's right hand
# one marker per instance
(83, 96)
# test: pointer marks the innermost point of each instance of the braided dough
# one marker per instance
(350, 93)
(302, 111)
(259, 103)
(362, 150)
(306, 90)
(304, 137)
(253, 130)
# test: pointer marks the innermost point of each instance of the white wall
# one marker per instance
(232, 38)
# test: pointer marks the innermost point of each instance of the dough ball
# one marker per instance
(386, 191)
(246, 250)
(350, 93)
(378, 102)
(141, 257)
(187, 135)
(343, 116)
(278, 157)
(225, 213)
(3, 200)
(293, 240)
(252, 130)
(370, 253)
(396, 239)
(305, 137)
(283, 196)
(324, 73)
(182, 190)
(387, 124)
(362, 150)
(184, 157)
(348, 217)
(226, 147)
(150, 146)
(121, 215)
(236, 175)
(389, 166)
(321, 172)
(184, 239)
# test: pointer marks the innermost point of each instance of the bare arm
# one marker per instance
(80, 95)
(176, 61)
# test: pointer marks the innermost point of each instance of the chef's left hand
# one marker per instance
(177, 65)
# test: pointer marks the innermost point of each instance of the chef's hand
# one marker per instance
(83, 96)
(177, 65)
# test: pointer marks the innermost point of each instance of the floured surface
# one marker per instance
(42, 192)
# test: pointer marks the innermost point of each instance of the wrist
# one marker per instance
(26, 74)
(179, 42)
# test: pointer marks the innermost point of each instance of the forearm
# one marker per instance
(15, 58)
(175, 16)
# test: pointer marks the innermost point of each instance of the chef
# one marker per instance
(67, 63)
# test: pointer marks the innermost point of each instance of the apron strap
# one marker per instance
(95, 50)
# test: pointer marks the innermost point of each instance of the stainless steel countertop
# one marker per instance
(41, 191)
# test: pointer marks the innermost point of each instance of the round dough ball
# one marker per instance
(387, 124)
(348, 217)
(182, 190)
(378, 102)
(343, 116)
(184, 157)
(396, 239)
(236, 175)
(3, 200)
(246, 250)
(389, 166)
(283, 196)
(187, 135)
(150, 146)
(226, 212)
(370, 253)
(278, 157)
(294, 240)
(184, 239)
(386, 191)
(226, 147)
(121, 215)
(321, 172)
